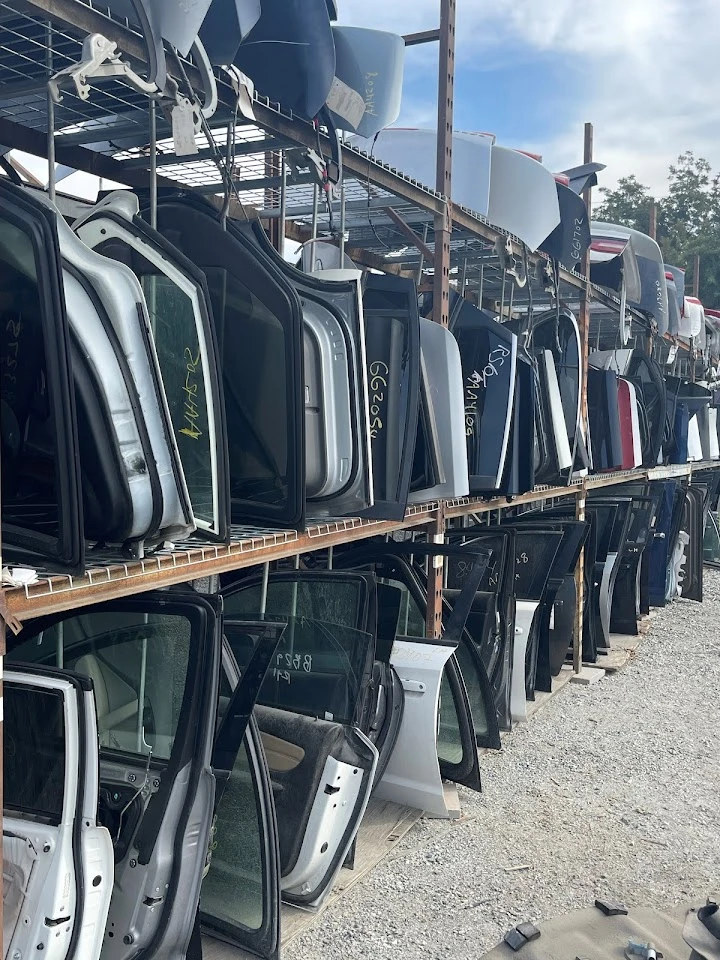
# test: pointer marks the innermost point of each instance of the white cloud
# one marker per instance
(649, 70)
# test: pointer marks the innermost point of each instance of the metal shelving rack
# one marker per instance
(390, 222)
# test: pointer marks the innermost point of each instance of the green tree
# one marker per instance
(688, 218)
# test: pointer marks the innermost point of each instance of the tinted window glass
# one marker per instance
(458, 568)
(29, 482)
(318, 667)
(331, 600)
(449, 740)
(534, 554)
(232, 892)
(411, 622)
(254, 380)
(34, 727)
(138, 664)
(475, 692)
(174, 324)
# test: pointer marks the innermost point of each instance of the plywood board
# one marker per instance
(382, 828)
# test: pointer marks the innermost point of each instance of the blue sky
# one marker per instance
(533, 71)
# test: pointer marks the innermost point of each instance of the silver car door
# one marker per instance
(119, 294)
(443, 395)
(57, 861)
(180, 320)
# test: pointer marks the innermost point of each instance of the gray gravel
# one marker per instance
(611, 790)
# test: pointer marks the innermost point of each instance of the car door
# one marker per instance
(488, 352)
(324, 662)
(491, 621)
(322, 766)
(57, 860)
(42, 517)
(338, 456)
(692, 585)
(347, 674)
(556, 621)
(437, 737)
(519, 474)
(535, 552)
(440, 467)
(181, 323)
(154, 661)
(467, 717)
(259, 329)
(392, 338)
(617, 544)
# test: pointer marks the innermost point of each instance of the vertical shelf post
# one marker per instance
(584, 322)
(441, 279)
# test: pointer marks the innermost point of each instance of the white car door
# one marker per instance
(57, 862)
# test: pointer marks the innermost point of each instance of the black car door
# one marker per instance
(259, 330)
(392, 338)
(488, 351)
(491, 622)
(308, 715)
(554, 620)
(41, 502)
(339, 473)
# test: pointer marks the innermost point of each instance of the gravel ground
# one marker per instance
(611, 790)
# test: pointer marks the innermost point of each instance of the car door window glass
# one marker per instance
(138, 663)
(318, 667)
(332, 601)
(232, 891)
(254, 376)
(411, 622)
(449, 738)
(34, 728)
(174, 321)
(30, 495)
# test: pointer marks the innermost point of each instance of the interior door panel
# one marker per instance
(319, 801)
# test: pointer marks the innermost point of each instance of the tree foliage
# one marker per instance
(688, 218)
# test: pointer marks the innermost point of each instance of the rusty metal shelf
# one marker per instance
(55, 593)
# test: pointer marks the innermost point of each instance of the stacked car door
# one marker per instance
(338, 458)
(259, 330)
(392, 338)
(57, 860)
(554, 629)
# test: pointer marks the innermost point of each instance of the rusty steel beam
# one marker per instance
(422, 36)
(584, 325)
(125, 579)
(409, 234)
(443, 170)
